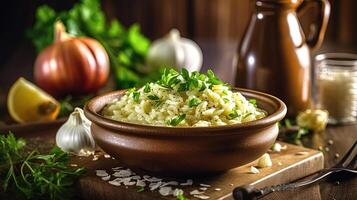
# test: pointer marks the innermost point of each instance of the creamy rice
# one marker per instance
(193, 100)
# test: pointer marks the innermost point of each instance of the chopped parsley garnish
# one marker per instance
(136, 96)
(156, 99)
(246, 115)
(194, 102)
(203, 87)
(183, 87)
(141, 189)
(181, 197)
(157, 104)
(253, 101)
(234, 114)
(187, 81)
(212, 79)
(169, 78)
(176, 120)
(153, 97)
(185, 74)
(225, 100)
(130, 91)
(147, 88)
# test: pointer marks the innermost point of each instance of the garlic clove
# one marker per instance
(264, 161)
(75, 135)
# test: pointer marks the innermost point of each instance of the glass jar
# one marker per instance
(336, 86)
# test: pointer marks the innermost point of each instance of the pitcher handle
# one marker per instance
(315, 41)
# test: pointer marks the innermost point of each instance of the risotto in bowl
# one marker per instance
(184, 100)
(185, 123)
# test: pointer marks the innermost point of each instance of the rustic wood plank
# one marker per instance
(343, 136)
(292, 167)
(287, 166)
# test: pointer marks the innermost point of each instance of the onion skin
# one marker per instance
(71, 66)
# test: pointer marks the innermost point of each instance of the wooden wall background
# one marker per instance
(212, 23)
(208, 20)
(221, 20)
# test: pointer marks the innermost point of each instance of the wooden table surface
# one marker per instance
(220, 57)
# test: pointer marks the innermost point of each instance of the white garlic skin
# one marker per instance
(75, 136)
(175, 51)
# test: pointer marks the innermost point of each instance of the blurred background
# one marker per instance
(208, 22)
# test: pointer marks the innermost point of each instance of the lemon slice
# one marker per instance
(28, 103)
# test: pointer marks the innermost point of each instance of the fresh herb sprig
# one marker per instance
(32, 175)
(185, 81)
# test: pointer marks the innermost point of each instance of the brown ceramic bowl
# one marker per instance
(177, 150)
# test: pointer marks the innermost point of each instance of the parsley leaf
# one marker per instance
(213, 80)
(247, 115)
(171, 78)
(156, 99)
(194, 102)
(185, 74)
(141, 189)
(130, 91)
(136, 96)
(183, 87)
(147, 88)
(253, 101)
(234, 114)
(176, 120)
(225, 100)
(153, 97)
(203, 87)
(181, 197)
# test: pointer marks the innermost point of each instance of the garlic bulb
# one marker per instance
(175, 51)
(74, 135)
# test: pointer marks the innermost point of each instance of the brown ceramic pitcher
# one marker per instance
(274, 54)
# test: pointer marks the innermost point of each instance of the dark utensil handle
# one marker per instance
(248, 192)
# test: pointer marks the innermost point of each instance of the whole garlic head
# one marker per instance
(175, 51)
(75, 135)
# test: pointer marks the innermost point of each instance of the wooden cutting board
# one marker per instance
(293, 163)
